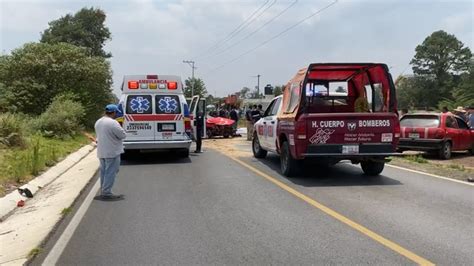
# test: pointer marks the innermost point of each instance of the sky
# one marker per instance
(154, 37)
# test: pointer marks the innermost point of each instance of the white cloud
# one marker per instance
(28, 16)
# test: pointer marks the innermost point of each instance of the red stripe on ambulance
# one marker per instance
(152, 117)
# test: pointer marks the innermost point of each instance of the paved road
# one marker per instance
(210, 209)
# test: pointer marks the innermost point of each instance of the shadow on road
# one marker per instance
(161, 157)
(341, 174)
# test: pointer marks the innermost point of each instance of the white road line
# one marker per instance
(432, 175)
(62, 242)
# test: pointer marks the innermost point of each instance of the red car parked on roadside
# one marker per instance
(433, 132)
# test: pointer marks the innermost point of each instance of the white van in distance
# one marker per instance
(155, 114)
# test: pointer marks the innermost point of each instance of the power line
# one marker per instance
(255, 31)
(250, 22)
(215, 45)
(274, 37)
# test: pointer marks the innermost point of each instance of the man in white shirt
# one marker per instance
(109, 147)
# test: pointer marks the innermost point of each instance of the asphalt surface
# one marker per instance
(211, 210)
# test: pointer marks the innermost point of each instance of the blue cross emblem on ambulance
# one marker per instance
(168, 105)
(140, 104)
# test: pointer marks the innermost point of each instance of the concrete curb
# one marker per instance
(8, 202)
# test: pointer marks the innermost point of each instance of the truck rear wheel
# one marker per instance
(289, 165)
(372, 168)
(257, 150)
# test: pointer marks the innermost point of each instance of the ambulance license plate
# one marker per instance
(167, 135)
(350, 149)
(167, 127)
(414, 135)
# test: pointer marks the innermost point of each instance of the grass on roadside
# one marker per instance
(66, 211)
(34, 252)
(19, 165)
(459, 167)
(415, 159)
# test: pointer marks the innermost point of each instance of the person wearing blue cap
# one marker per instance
(109, 147)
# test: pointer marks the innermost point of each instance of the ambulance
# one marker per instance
(154, 114)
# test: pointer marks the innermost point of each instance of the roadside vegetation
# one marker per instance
(51, 92)
(443, 75)
(418, 162)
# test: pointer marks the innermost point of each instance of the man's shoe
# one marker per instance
(111, 197)
(197, 151)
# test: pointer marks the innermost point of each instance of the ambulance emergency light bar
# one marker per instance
(134, 85)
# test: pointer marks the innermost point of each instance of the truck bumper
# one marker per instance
(365, 151)
(420, 144)
(157, 145)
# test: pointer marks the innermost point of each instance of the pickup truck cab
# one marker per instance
(332, 112)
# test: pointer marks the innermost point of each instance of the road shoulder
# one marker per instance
(24, 230)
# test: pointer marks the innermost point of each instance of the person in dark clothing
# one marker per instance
(256, 114)
(234, 116)
(222, 113)
(199, 129)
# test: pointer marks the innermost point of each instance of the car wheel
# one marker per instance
(445, 151)
(289, 165)
(257, 150)
(372, 168)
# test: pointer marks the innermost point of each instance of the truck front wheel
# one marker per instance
(289, 165)
(372, 168)
(258, 152)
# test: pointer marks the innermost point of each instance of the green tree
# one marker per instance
(244, 93)
(278, 90)
(441, 56)
(416, 92)
(38, 72)
(86, 28)
(463, 94)
(199, 87)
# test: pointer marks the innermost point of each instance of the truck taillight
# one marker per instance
(187, 125)
(397, 131)
(439, 134)
(301, 130)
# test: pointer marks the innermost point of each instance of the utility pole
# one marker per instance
(191, 64)
(258, 85)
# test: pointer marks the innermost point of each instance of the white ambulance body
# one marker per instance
(155, 114)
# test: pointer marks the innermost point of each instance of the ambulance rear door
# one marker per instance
(193, 110)
(170, 117)
(198, 104)
(138, 113)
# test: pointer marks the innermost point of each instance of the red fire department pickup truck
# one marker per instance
(332, 112)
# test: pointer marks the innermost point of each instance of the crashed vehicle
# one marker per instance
(219, 126)
(331, 112)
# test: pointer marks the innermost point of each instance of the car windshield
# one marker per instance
(420, 121)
